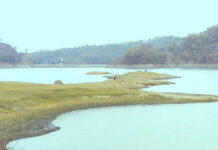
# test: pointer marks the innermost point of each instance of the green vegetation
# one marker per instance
(26, 109)
(102, 54)
(194, 49)
(199, 48)
(97, 73)
(163, 42)
(143, 54)
(9, 56)
(59, 82)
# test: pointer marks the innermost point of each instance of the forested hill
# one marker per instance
(101, 54)
(163, 42)
(199, 48)
(8, 54)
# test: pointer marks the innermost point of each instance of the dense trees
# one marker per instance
(143, 54)
(102, 54)
(8, 54)
(199, 48)
(163, 42)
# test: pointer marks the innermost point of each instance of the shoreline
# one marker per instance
(139, 66)
(170, 66)
(56, 128)
(122, 92)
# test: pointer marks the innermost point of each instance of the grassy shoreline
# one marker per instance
(27, 109)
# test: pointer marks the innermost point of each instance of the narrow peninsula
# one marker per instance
(27, 109)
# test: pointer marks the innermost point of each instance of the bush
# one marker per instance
(58, 82)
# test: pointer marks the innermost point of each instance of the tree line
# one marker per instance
(9, 55)
(199, 48)
(100, 54)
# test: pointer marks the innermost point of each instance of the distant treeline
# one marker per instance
(8, 55)
(199, 48)
(100, 54)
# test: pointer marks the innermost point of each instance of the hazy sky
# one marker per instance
(52, 24)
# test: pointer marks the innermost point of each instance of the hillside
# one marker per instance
(8, 54)
(102, 54)
(199, 48)
(163, 42)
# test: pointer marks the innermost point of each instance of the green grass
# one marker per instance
(25, 108)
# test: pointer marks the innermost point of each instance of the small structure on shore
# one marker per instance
(60, 60)
(115, 77)
(53, 61)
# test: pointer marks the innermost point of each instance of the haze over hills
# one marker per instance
(8, 54)
(100, 54)
(199, 48)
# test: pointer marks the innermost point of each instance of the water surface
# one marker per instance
(49, 75)
(158, 127)
(197, 81)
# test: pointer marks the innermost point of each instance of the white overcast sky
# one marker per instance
(53, 24)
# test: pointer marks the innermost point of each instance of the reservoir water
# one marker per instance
(153, 127)
(197, 81)
(49, 75)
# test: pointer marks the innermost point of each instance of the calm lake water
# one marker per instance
(49, 75)
(156, 127)
(198, 81)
